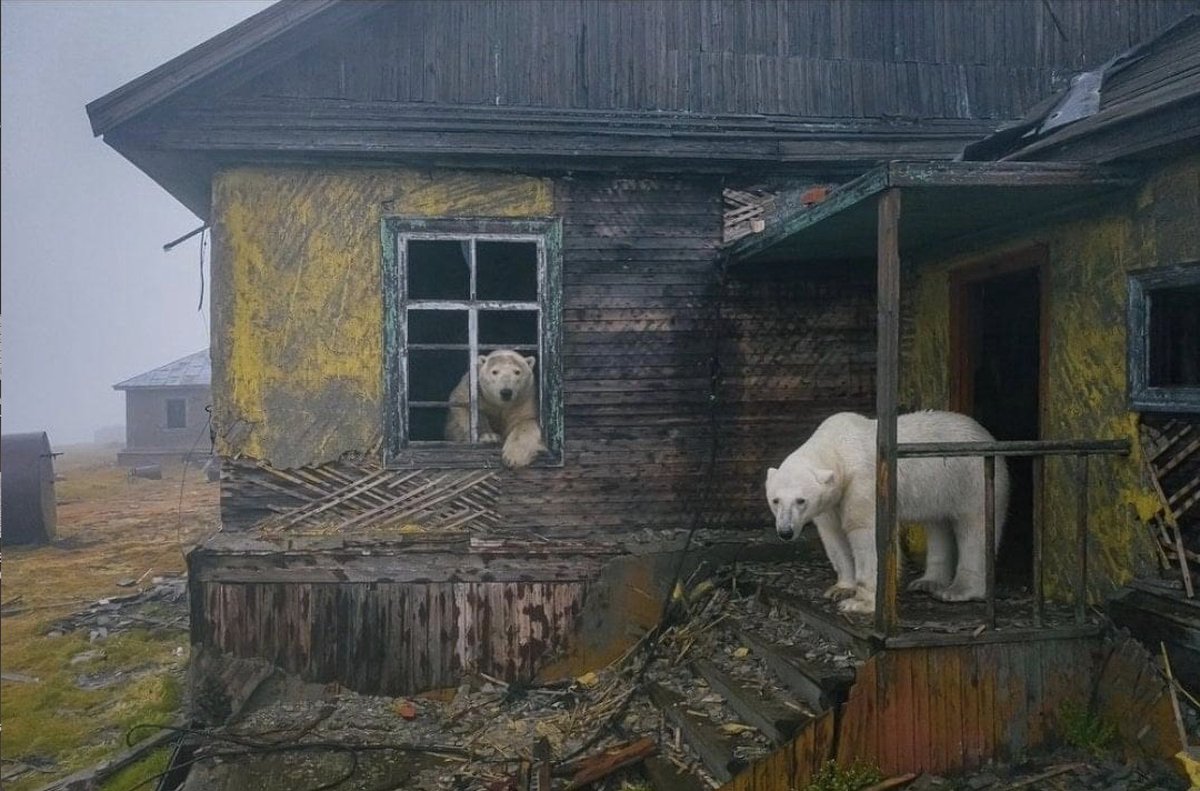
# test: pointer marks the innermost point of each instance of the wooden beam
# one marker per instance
(887, 516)
(830, 626)
(774, 720)
(819, 686)
(715, 750)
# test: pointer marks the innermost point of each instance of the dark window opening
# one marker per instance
(506, 271)
(1163, 329)
(460, 291)
(176, 413)
(1174, 337)
(439, 269)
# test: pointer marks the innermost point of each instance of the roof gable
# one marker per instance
(239, 53)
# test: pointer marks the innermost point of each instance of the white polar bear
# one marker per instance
(830, 480)
(508, 407)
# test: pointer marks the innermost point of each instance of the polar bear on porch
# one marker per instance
(830, 480)
(508, 407)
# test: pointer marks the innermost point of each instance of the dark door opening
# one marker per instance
(999, 384)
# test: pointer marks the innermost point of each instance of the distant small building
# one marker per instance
(166, 415)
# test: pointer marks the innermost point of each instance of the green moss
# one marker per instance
(1085, 730)
(140, 774)
(834, 777)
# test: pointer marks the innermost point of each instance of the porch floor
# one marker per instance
(802, 581)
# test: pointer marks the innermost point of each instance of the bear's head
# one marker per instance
(505, 377)
(798, 495)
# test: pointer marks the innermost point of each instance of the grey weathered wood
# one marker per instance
(1039, 447)
(818, 686)
(666, 776)
(714, 749)
(989, 537)
(829, 626)
(776, 721)
(887, 515)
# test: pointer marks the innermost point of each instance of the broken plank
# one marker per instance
(820, 686)
(597, 767)
(776, 721)
(714, 750)
(828, 626)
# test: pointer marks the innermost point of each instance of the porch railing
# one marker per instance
(1039, 450)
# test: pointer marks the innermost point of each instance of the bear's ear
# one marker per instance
(482, 360)
(771, 472)
(824, 477)
(532, 361)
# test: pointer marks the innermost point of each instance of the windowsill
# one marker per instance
(452, 456)
(1163, 399)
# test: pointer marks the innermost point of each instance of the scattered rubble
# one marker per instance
(162, 604)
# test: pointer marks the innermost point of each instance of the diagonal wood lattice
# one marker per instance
(354, 495)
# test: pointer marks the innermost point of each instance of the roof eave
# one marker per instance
(239, 48)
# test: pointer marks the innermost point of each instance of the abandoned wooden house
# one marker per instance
(166, 412)
(690, 217)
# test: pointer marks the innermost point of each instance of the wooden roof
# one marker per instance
(827, 87)
(942, 202)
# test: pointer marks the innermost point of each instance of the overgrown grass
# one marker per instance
(1085, 730)
(139, 775)
(109, 529)
(834, 777)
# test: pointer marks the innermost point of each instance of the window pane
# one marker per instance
(176, 413)
(437, 326)
(427, 424)
(1175, 337)
(506, 270)
(433, 374)
(501, 329)
(439, 270)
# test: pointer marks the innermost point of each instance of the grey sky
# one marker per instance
(88, 296)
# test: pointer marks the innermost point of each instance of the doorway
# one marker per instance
(997, 351)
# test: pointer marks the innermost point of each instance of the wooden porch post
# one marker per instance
(887, 362)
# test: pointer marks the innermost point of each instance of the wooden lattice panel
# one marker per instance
(355, 496)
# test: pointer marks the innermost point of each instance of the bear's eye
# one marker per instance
(517, 371)
(775, 501)
(800, 501)
(495, 372)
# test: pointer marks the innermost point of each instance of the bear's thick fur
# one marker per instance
(830, 481)
(508, 407)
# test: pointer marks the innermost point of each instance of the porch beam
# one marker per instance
(887, 522)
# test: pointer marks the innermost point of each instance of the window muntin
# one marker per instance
(1164, 339)
(176, 413)
(458, 290)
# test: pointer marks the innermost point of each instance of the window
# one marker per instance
(176, 413)
(1164, 339)
(455, 291)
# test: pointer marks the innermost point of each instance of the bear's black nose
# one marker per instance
(506, 394)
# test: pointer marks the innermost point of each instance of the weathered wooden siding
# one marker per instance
(1086, 388)
(817, 58)
(390, 638)
(298, 358)
(947, 709)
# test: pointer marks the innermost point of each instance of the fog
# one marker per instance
(88, 296)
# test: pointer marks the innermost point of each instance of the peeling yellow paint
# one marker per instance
(1089, 260)
(297, 306)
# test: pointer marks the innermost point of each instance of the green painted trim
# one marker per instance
(397, 451)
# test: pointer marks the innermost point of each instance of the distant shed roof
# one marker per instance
(195, 370)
